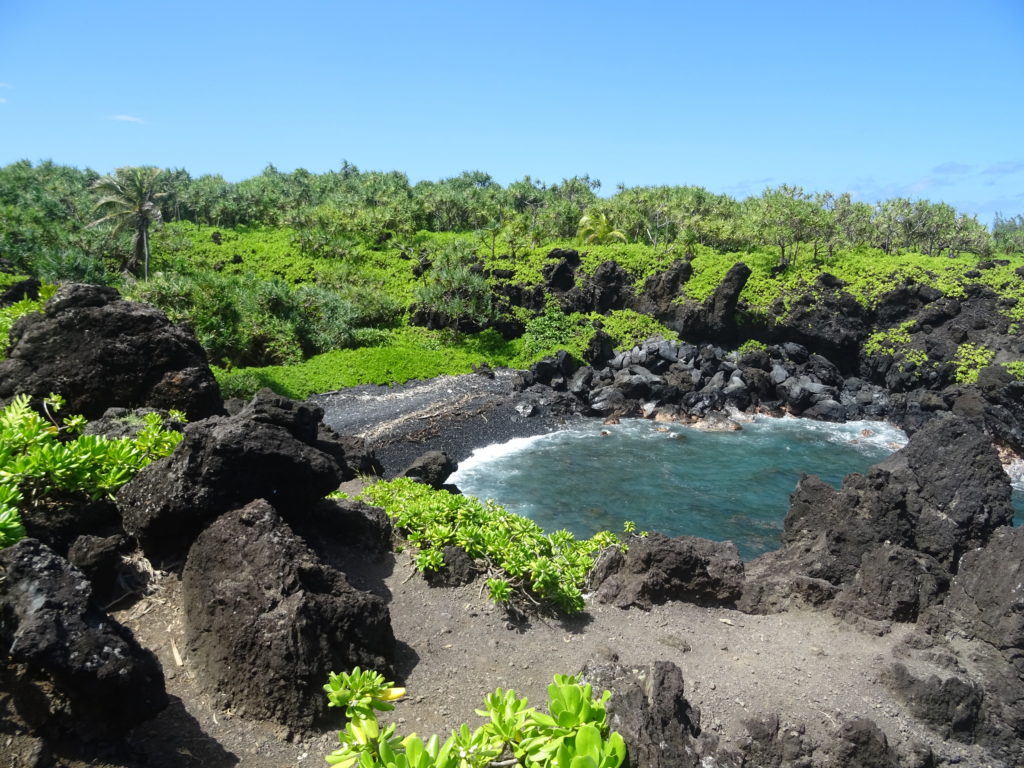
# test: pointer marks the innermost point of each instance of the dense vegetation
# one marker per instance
(308, 282)
(47, 462)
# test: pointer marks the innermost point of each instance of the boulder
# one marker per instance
(660, 291)
(649, 709)
(273, 449)
(458, 569)
(266, 620)
(432, 468)
(610, 287)
(951, 706)
(657, 569)
(72, 671)
(98, 351)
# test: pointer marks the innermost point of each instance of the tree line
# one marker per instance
(63, 222)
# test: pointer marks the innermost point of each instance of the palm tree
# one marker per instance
(597, 229)
(128, 198)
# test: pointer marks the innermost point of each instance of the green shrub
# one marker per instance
(1015, 369)
(10, 313)
(628, 328)
(48, 462)
(969, 360)
(453, 289)
(545, 569)
(573, 734)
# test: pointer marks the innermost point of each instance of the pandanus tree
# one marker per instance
(129, 200)
(597, 229)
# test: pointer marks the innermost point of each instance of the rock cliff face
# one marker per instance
(98, 351)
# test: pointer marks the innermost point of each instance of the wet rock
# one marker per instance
(99, 351)
(649, 709)
(657, 569)
(432, 468)
(266, 620)
(269, 450)
(72, 671)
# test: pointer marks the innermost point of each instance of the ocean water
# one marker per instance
(673, 478)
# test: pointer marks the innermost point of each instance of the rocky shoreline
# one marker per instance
(268, 586)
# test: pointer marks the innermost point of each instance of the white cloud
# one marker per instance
(127, 119)
(3, 100)
(6, 85)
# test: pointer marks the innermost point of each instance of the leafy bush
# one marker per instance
(1015, 369)
(552, 330)
(969, 360)
(574, 735)
(10, 313)
(628, 328)
(545, 569)
(48, 461)
(452, 288)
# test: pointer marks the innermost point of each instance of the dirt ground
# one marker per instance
(454, 647)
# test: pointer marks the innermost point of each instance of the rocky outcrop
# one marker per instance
(825, 319)
(657, 569)
(903, 526)
(71, 670)
(274, 449)
(715, 319)
(649, 709)
(432, 468)
(658, 297)
(266, 620)
(99, 351)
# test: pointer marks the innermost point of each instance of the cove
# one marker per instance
(673, 478)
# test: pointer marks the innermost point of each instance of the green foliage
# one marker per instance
(628, 328)
(390, 357)
(1016, 369)
(453, 289)
(752, 345)
(969, 360)
(545, 569)
(10, 313)
(574, 735)
(48, 462)
(551, 331)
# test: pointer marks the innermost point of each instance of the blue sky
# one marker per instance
(911, 98)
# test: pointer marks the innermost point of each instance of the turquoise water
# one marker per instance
(672, 478)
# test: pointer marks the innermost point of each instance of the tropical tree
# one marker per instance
(597, 228)
(129, 199)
